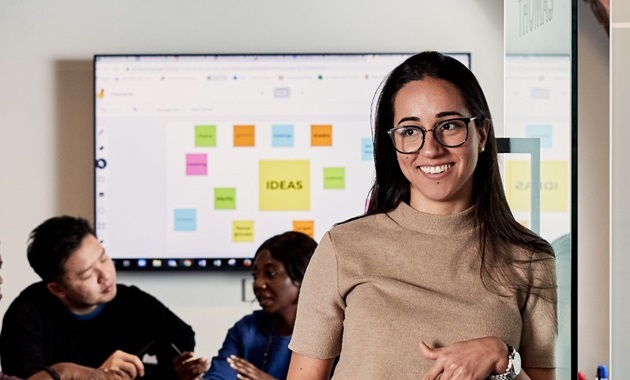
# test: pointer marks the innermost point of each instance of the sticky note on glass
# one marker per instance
(542, 131)
(304, 226)
(185, 219)
(225, 198)
(334, 178)
(554, 185)
(243, 231)
(284, 185)
(205, 136)
(321, 135)
(196, 164)
(282, 135)
(244, 135)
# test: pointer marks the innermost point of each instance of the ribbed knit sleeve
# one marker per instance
(319, 323)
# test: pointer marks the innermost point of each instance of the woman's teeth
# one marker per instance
(435, 169)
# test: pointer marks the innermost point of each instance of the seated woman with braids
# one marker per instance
(256, 347)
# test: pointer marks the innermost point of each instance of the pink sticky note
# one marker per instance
(196, 164)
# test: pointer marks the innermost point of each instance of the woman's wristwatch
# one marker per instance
(513, 368)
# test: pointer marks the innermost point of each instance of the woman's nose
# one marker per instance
(431, 146)
(260, 283)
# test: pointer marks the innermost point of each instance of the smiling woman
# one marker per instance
(256, 347)
(437, 279)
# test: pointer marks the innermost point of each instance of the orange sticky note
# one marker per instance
(321, 135)
(305, 227)
(244, 135)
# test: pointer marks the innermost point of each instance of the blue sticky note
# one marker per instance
(367, 149)
(542, 131)
(282, 135)
(185, 219)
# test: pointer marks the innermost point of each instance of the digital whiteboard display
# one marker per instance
(201, 158)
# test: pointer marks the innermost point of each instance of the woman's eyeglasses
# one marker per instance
(449, 133)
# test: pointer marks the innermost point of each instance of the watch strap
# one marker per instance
(503, 376)
(509, 372)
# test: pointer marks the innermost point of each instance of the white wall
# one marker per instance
(46, 48)
(593, 192)
(620, 186)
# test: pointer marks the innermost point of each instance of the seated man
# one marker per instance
(70, 371)
(79, 314)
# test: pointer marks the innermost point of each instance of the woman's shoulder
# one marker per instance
(252, 325)
(373, 225)
(361, 223)
(256, 320)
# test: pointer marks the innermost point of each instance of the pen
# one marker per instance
(179, 352)
(144, 349)
(581, 376)
(602, 372)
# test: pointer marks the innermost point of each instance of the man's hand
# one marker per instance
(246, 370)
(71, 371)
(470, 360)
(122, 361)
(189, 368)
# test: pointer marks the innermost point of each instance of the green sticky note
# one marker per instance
(225, 198)
(334, 178)
(205, 135)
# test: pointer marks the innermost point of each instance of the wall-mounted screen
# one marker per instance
(200, 158)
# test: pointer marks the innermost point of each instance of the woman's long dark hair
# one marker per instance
(497, 228)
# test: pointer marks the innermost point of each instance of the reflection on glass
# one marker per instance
(538, 92)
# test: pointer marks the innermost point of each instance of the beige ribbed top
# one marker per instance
(378, 285)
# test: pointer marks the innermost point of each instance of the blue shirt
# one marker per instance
(249, 339)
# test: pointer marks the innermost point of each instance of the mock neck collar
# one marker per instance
(433, 224)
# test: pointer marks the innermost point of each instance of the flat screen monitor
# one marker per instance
(200, 158)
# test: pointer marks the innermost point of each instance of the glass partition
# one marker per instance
(539, 106)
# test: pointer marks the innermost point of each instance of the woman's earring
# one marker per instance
(482, 149)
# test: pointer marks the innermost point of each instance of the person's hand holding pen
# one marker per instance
(122, 361)
(187, 367)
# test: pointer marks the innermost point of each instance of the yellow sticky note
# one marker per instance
(304, 226)
(243, 231)
(244, 135)
(284, 185)
(554, 185)
(321, 135)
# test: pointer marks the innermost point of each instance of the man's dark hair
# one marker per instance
(52, 242)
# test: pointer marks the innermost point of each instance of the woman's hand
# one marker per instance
(122, 361)
(474, 359)
(189, 368)
(246, 370)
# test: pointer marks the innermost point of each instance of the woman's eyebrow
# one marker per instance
(409, 118)
(438, 115)
(448, 113)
